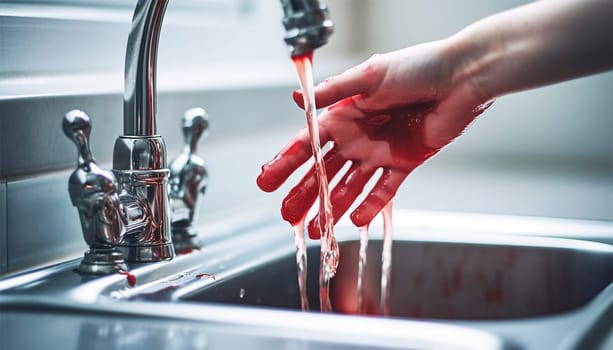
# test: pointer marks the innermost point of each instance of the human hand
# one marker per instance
(392, 112)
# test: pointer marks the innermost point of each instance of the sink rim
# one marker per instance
(261, 230)
(262, 233)
(332, 328)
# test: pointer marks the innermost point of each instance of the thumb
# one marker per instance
(357, 80)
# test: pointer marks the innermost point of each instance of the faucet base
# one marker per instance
(102, 261)
(185, 239)
(149, 253)
(139, 165)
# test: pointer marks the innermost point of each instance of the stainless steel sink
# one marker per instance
(497, 282)
(436, 279)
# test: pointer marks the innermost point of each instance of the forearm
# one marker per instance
(534, 45)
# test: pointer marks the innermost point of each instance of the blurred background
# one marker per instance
(545, 152)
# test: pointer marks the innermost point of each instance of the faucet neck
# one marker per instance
(140, 68)
(307, 24)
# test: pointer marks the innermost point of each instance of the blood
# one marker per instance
(494, 292)
(302, 58)
(392, 139)
(205, 275)
(402, 129)
(274, 179)
(129, 277)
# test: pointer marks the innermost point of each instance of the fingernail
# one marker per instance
(358, 218)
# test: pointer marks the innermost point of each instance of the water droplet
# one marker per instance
(241, 293)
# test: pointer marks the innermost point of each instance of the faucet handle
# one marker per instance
(93, 191)
(195, 125)
(77, 127)
(188, 181)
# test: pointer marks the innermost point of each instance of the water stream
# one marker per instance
(329, 248)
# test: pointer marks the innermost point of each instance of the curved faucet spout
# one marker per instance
(140, 68)
(125, 213)
(307, 24)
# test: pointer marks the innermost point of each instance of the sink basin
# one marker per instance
(435, 279)
(506, 282)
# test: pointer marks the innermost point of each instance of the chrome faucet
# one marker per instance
(307, 25)
(188, 182)
(128, 214)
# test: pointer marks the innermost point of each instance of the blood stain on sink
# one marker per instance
(494, 292)
(187, 251)
(129, 277)
(418, 280)
(205, 275)
(457, 279)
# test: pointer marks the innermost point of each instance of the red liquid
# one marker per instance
(329, 248)
(129, 277)
(205, 275)
(391, 139)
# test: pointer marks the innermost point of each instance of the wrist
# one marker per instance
(474, 63)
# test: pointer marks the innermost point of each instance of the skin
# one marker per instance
(396, 110)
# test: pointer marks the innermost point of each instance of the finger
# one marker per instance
(358, 80)
(383, 191)
(343, 195)
(302, 196)
(274, 173)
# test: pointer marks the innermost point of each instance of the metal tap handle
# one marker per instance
(94, 192)
(77, 127)
(195, 125)
(188, 180)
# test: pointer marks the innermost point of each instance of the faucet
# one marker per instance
(307, 25)
(143, 210)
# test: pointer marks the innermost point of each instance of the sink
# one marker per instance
(435, 280)
(507, 282)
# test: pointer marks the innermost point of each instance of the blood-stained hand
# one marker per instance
(392, 112)
(396, 110)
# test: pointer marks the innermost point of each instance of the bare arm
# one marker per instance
(537, 44)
